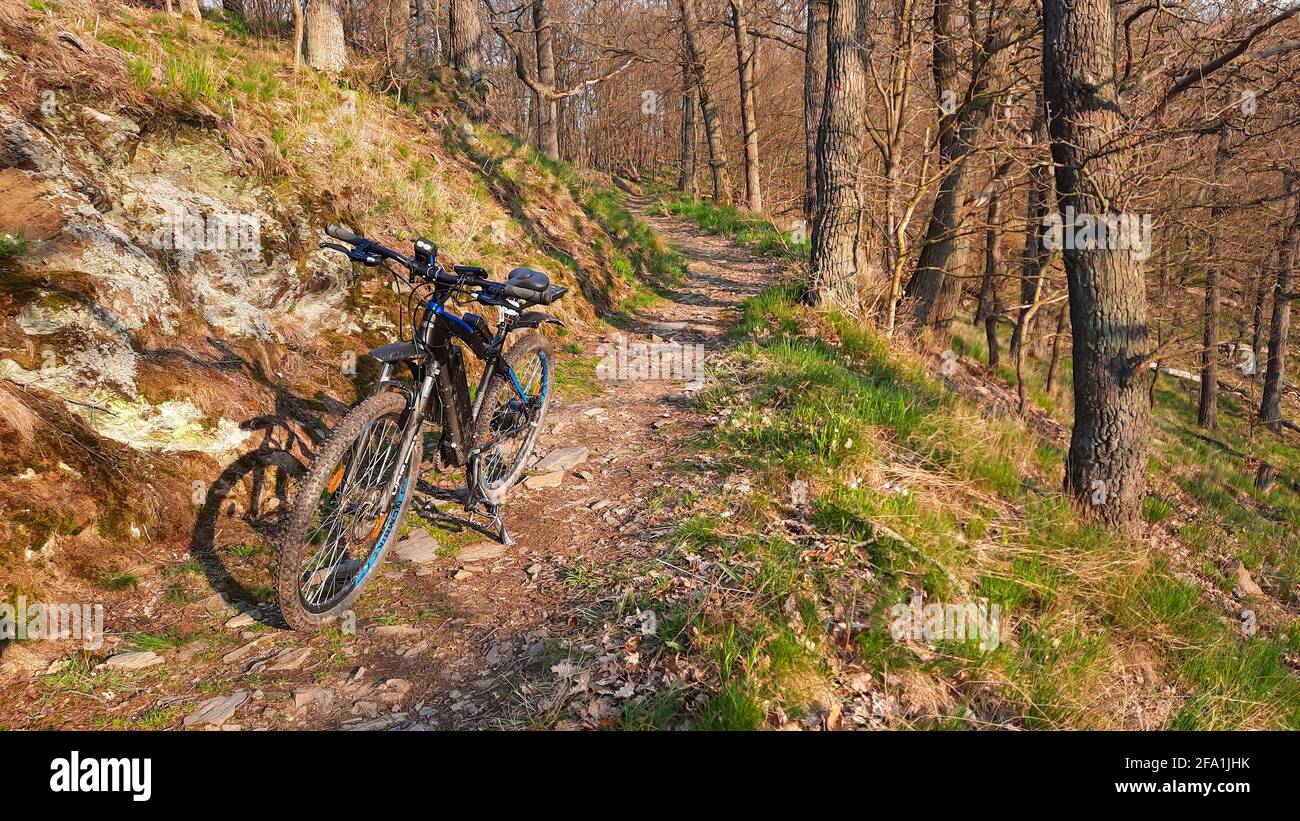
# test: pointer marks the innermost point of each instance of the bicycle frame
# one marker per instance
(441, 394)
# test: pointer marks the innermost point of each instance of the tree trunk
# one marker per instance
(1106, 467)
(325, 48)
(686, 177)
(814, 95)
(1207, 409)
(396, 34)
(296, 5)
(1037, 256)
(990, 305)
(1270, 406)
(426, 32)
(839, 248)
(935, 287)
(1056, 349)
(1257, 320)
(190, 10)
(748, 113)
(712, 122)
(548, 110)
(466, 30)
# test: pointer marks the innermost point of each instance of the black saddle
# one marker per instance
(528, 278)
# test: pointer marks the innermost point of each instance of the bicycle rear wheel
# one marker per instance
(346, 514)
(511, 414)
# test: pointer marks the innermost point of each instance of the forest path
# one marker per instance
(499, 609)
(468, 641)
(459, 631)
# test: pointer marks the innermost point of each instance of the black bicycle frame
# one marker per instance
(441, 394)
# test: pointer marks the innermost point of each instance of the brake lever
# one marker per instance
(334, 246)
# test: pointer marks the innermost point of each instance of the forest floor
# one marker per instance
(467, 632)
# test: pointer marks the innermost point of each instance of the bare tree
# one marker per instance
(748, 115)
(687, 178)
(1106, 467)
(814, 93)
(839, 246)
(1270, 406)
(466, 30)
(296, 42)
(712, 121)
(1207, 408)
(326, 50)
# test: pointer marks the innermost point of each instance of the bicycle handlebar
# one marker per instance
(369, 252)
(340, 233)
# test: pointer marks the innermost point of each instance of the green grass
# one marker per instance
(919, 478)
(756, 232)
(193, 75)
(120, 580)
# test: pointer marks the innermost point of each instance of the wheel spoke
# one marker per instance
(354, 506)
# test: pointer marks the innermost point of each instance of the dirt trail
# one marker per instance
(471, 666)
(468, 637)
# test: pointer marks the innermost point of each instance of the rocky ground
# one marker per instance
(459, 631)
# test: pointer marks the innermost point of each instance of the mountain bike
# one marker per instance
(351, 503)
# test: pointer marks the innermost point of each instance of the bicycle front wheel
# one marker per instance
(346, 514)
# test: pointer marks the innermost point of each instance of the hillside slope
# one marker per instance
(173, 344)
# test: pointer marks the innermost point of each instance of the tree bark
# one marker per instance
(426, 32)
(814, 95)
(839, 247)
(1207, 409)
(1257, 319)
(990, 304)
(298, 26)
(1270, 406)
(325, 47)
(687, 180)
(1106, 467)
(712, 122)
(935, 287)
(190, 10)
(1037, 256)
(548, 108)
(1056, 349)
(466, 31)
(748, 112)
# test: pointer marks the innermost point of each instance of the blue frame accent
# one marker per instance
(383, 538)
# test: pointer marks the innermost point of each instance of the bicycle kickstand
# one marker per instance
(494, 511)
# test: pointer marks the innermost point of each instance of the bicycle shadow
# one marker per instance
(428, 510)
(252, 495)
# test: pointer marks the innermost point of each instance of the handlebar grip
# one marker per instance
(520, 293)
(342, 234)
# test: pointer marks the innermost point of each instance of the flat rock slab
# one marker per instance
(312, 695)
(243, 620)
(481, 552)
(290, 659)
(215, 710)
(241, 653)
(394, 631)
(561, 459)
(132, 661)
(540, 480)
(418, 547)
